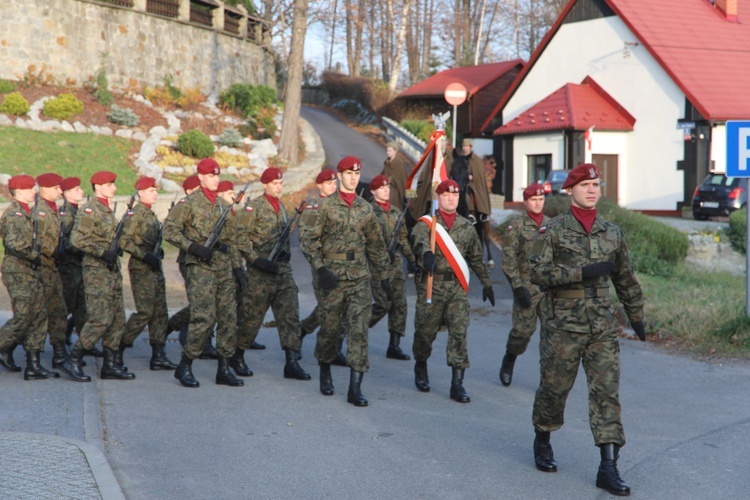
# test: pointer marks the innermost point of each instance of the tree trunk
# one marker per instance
(399, 46)
(289, 144)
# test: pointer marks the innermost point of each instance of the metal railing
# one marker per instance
(167, 8)
(231, 23)
(123, 3)
(410, 144)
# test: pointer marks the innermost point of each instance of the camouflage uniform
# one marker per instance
(54, 300)
(181, 318)
(211, 286)
(23, 282)
(71, 272)
(139, 236)
(342, 239)
(449, 303)
(517, 243)
(312, 322)
(581, 326)
(258, 229)
(92, 233)
(396, 308)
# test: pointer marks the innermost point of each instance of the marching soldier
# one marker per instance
(141, 238)
(457, 249)
(270, 282)
(93, 233)
(45, 211)
(576, 258)
(339, 243)
(397, 174)
(211, 274)
(388, 216)
(22, 279)
(327, 184)
(529, 302)
(70, 266)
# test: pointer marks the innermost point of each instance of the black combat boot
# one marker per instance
(72, 365)
(340, 357)
(184, 372)
(394, 351)
(6, 359)
(458, 393)
(112, 371)
(302, 334)
(69, 326)
(118, 357)
(35, 370)
(209, 351)
(224, 376)
(544, 457)
(421, 379)
(355, 396)
(159, 359)
(182, 336)
(256, 346)
(94, 351)
(326, 380)
(237, 363)
(608, 477)
(59, 354)
(292, 369)
(506, 369)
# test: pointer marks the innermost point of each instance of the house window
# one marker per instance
(539, 168)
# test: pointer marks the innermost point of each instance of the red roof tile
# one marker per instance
(474, 78)
(571, 107)
(706, 54)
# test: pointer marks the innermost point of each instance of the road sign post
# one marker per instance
(455, 94)
(738, 165)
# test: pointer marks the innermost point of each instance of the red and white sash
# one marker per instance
(450, 252)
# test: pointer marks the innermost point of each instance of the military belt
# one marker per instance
(582, 293)
(449, 276)
(343, 256)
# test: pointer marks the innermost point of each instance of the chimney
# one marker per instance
(729, 8)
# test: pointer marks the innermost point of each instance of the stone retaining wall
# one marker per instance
(71, 38)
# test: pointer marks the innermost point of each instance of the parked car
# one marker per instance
(554, 182)
(719, 195)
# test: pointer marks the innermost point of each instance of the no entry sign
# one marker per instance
(455, 94)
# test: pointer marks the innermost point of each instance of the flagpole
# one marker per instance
(437, 159)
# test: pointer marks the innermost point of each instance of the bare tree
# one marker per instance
(399, 45)
(289, 143)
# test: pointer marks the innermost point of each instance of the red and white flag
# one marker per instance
(450, 252)
(432, 159)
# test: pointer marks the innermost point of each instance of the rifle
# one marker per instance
(35, 247)
(213, 238)
(160, 236)
(61, 242)
(393, 243)
(115, 243)
(274, 255)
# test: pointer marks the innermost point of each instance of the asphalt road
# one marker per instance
(687, 422)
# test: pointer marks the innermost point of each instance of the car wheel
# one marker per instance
(698, 216)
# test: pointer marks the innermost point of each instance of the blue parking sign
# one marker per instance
(738, 149)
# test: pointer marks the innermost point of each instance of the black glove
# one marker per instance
(58, 256)
(523, 297)
(599, 269)
(283, 257)
(640, 329)
(221, 247)
(266, 265)
(327, 279)
(488, 294)
(160, 253)
(428, 261)
(110, 257)
(201, 252)
(411, 267)
(153, 261)
(387, 289)
(239, 275)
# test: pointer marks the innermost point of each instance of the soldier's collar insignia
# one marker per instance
(87, 210)
(41, 214)
(248, 209)
(542, 229)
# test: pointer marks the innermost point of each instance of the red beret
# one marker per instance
(21, 182)
(70, 183)
(191, 182)
(270, 174)
(208, 166)
(327, 174)
(225, 186)
(448, 186)
(103, 177)
(349, 163)
(580, 173)
(535, 189)
(145, 183)
(48, 180)
(378, 182)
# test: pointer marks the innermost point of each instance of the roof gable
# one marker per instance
(571, 107)
(474, 78)
(705, 53)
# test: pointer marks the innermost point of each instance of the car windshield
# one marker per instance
(558, 175)
(720, 180)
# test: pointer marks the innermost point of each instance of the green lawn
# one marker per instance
(65, 153)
